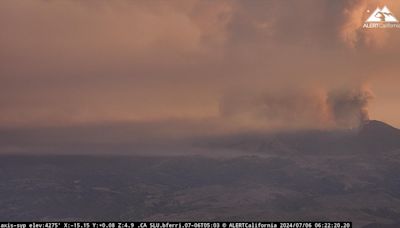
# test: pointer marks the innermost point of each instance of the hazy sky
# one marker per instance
(269, 63)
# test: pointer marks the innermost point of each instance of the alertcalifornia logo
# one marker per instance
(381, 18)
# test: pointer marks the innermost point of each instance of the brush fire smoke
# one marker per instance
(299, 109)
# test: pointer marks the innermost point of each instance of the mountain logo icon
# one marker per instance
(382, 15)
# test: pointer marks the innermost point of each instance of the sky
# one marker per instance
(197, 65)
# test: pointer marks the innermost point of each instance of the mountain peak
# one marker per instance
(378, 136)
(377, 127)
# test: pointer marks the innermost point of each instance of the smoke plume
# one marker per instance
(316, 108)
(349, 108)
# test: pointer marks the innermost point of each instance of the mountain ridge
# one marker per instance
(372, 137)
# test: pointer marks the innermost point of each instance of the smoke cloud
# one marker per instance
(349, 108)
(90, 62)
(316, 108)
